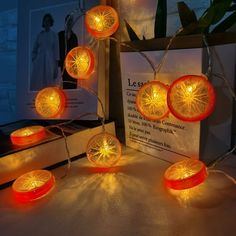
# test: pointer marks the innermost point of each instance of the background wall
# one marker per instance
(8, 46)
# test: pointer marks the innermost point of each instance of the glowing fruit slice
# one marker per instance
(104, 150)
(33, 185)
(151, 100)
(80, 62)
(28, 135)
(191, 98)
(50, 102)
(101, 21)
(185, 174)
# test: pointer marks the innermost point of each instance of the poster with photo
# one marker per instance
(41, 53)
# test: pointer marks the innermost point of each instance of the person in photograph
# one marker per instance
(45, 56)
(67, 41)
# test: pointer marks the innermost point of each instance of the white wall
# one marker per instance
(8, 45)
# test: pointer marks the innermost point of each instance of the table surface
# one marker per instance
(127, 200)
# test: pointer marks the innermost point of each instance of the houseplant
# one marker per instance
(212, 20)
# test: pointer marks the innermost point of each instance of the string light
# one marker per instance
(151, 100)
(33, 185)
(101, 21)
(28, 135)
(103, 150)
(50, 102)
(185, 174)
(191, 98)
(80, 62)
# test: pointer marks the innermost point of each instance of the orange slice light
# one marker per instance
(185, 174)
(28, 135)
(80, 62)
(101, 21)
(151, 100)
(104, 150)
(50, 102)
(33, 185)
(191, 98)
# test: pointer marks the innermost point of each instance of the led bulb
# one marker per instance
(191, 98)
(50, 102)
(151, 100)
(104, 150)
(33, 185)
(185, 174)
(28, 135)
(101, 21)
(80, 62)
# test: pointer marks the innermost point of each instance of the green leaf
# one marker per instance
(225, 24)
(220, 10)
(132, 35)
(192, 28)
(187, 16)
(232, 8)
(160, 19)
(214, 13)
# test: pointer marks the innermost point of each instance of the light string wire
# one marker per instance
(233, 180)
(138, 51)
(208, 73)
(164, 57)
(81, 9)
(58, 126)
(157, 69)
(230, 89)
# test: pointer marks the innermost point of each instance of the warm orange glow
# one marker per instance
(101, 21)
(28, 135)
(191, 98)
(185, 174)
(50, 102)
(33, 185)
(104, 150)
(80, 62)
(151, 100)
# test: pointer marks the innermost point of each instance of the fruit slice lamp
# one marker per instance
(185, 174)
(28, 135)
(80, 62)
(101, 21)
(151, 100)
(191, 98)
(50, 102)
(33, 185)
(103, 150)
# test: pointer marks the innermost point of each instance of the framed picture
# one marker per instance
(42, 48)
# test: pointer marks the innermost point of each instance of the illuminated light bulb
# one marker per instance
(50, 102)
(191, 98)
(185, 174)
(33, 185)
(101, 21)
(28, 135)
(80, 62)
(151, 100)
(104, 150)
